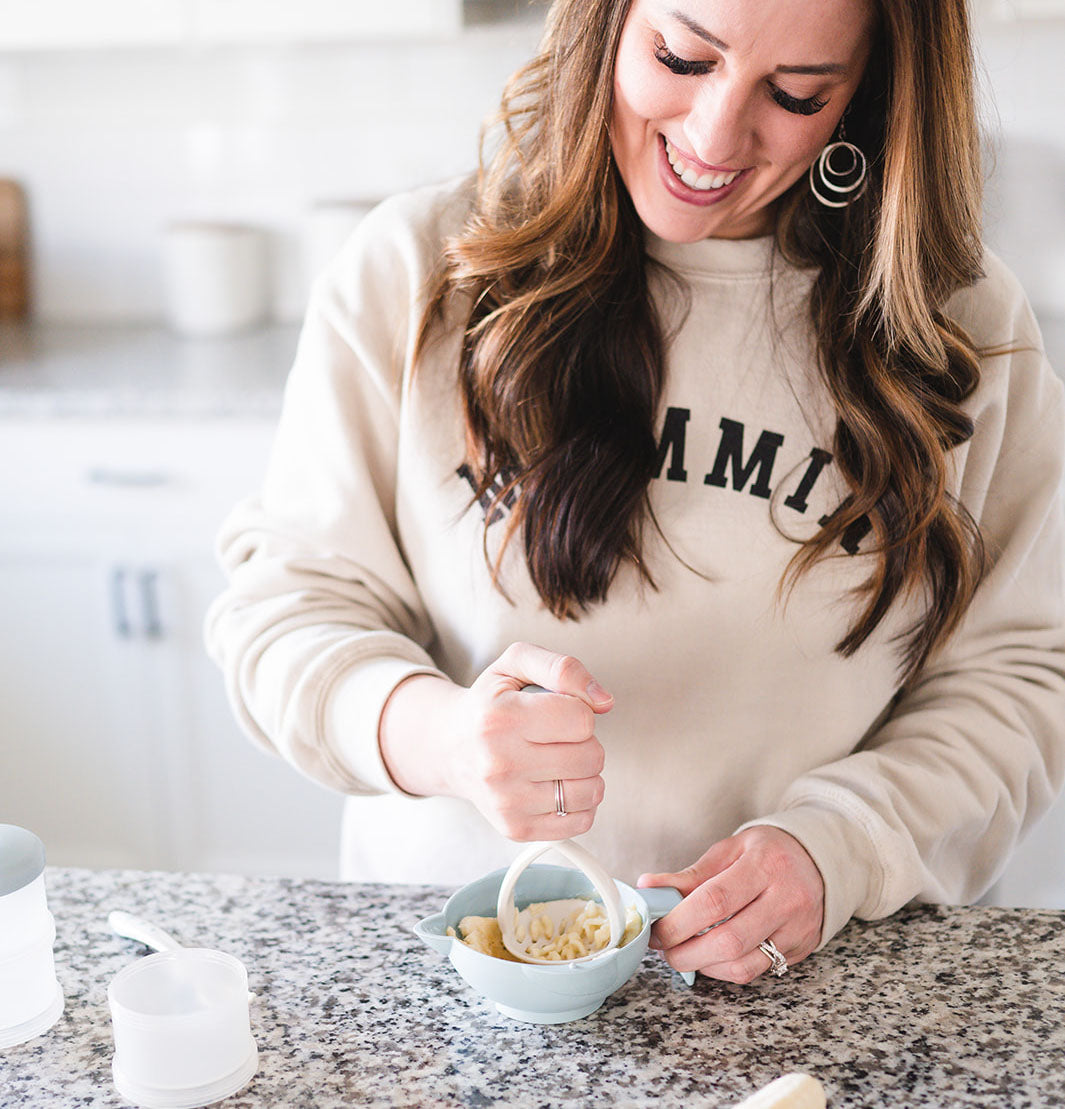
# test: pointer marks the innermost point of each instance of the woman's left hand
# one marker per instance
(754, 886)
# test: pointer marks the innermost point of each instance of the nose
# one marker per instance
(719, 125)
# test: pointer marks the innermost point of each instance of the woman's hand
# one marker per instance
(502, 746)
(754, 886)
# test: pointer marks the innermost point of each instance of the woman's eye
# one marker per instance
(811, 106)
(678, 65)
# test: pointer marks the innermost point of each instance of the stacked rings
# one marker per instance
(560, 801)
(778, 965)
(836, 185)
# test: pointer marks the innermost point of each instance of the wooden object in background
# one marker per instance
(14, 253)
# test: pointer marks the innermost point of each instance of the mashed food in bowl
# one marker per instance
(582, 931)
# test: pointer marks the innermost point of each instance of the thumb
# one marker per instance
(718, 858)
(572, 678)
(600, 700)
(684, 880)
(524, 664)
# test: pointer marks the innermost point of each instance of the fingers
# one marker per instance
(721, 855)
(537, 737)
(753, 964)
(532, 814)
(769, 888)
(547, 761)
(711, 902)
(556, 718)
(756, 962)
(578, 795)
(523, 807)
(730, 952)
(518, 742)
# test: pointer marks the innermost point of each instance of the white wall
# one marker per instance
(112, 145)
(1025, 212)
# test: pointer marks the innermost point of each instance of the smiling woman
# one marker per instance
(703, 392)
(711, 127)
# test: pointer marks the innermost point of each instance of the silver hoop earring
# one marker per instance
(847, 181)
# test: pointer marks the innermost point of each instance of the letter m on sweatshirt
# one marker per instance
(730, 455)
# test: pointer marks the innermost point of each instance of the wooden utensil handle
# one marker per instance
(14, 252)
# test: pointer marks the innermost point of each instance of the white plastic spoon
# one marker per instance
(516, 927)
(133, 928)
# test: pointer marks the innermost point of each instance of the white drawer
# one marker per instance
(170, 474)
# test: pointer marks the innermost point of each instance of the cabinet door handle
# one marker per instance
(127, 479)
(119, 612)
(153, 625)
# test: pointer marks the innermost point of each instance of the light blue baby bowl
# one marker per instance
(527, 991)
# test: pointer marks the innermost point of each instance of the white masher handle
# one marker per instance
(584, 861)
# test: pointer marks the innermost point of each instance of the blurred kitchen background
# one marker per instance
(172, 174)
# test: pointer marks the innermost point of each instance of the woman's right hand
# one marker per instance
(502, 746)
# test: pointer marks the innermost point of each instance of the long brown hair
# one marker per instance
(562, 360)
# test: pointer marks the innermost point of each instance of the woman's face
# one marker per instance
(721, 105)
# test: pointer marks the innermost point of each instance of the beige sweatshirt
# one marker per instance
(361, 562)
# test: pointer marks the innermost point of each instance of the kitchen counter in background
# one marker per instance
(101, 370)
(141, 370)
(935, 1007)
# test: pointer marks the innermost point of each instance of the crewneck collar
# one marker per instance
(724, 257)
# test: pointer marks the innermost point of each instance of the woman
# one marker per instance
(705, 411)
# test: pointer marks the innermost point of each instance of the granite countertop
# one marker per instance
(102, 370)
(932, 1007)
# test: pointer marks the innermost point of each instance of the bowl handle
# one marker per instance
(660, 899)
(430, 930)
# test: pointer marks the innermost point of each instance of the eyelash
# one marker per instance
(809, 107)
(681, 66)
(684, 68)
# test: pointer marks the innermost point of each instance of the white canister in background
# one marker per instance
(216, 276)
(31, 1000)
(329, 225)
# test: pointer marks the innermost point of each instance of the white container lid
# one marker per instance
(190, 1097)
(13, 1035)
(21, 858)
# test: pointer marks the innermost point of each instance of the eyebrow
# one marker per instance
(697, 29)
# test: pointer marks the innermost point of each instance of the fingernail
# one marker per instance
(597, 693)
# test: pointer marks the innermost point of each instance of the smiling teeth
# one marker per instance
(692, 178)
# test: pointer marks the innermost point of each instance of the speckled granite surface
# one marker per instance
(934, 1007)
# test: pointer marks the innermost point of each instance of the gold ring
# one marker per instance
(560, 801)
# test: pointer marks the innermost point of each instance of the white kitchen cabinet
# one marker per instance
(75, 767)
(118, 745)
(67, 24)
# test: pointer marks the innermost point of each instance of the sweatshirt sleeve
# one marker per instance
(321, 618)
(933, 801)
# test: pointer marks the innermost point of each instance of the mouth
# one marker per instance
(696, 183)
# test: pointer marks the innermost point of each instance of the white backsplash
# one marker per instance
(111, 146)
(1025, 205)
